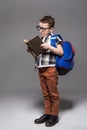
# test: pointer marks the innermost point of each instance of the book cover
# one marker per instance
(34, 45)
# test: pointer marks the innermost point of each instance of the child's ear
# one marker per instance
(51, 29)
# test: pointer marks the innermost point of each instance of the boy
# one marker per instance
(48, 74)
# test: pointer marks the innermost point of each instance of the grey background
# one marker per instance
(20, 97)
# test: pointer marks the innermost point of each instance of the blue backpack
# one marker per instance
(66, 62)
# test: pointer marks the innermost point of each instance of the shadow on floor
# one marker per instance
(66, 104)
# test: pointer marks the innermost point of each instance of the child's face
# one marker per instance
(45, 29)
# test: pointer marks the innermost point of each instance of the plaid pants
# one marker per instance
(48, 81)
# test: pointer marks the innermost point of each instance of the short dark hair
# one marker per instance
(48, 19)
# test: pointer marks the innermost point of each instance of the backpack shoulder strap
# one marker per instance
(56, 38)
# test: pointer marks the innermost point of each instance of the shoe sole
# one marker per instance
(39, 122)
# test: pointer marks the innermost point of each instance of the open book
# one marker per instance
(34, 45)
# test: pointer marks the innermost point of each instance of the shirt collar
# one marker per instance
(44, 39)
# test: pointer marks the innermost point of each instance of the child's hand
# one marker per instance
(30, 51)
(45, 46)
(25, 41)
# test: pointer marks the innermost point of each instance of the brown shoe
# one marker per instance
(42, 119)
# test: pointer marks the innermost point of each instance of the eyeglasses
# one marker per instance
(41, 28)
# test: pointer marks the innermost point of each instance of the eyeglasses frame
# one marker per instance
(41, 28)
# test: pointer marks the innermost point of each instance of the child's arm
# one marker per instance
(58, 50)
